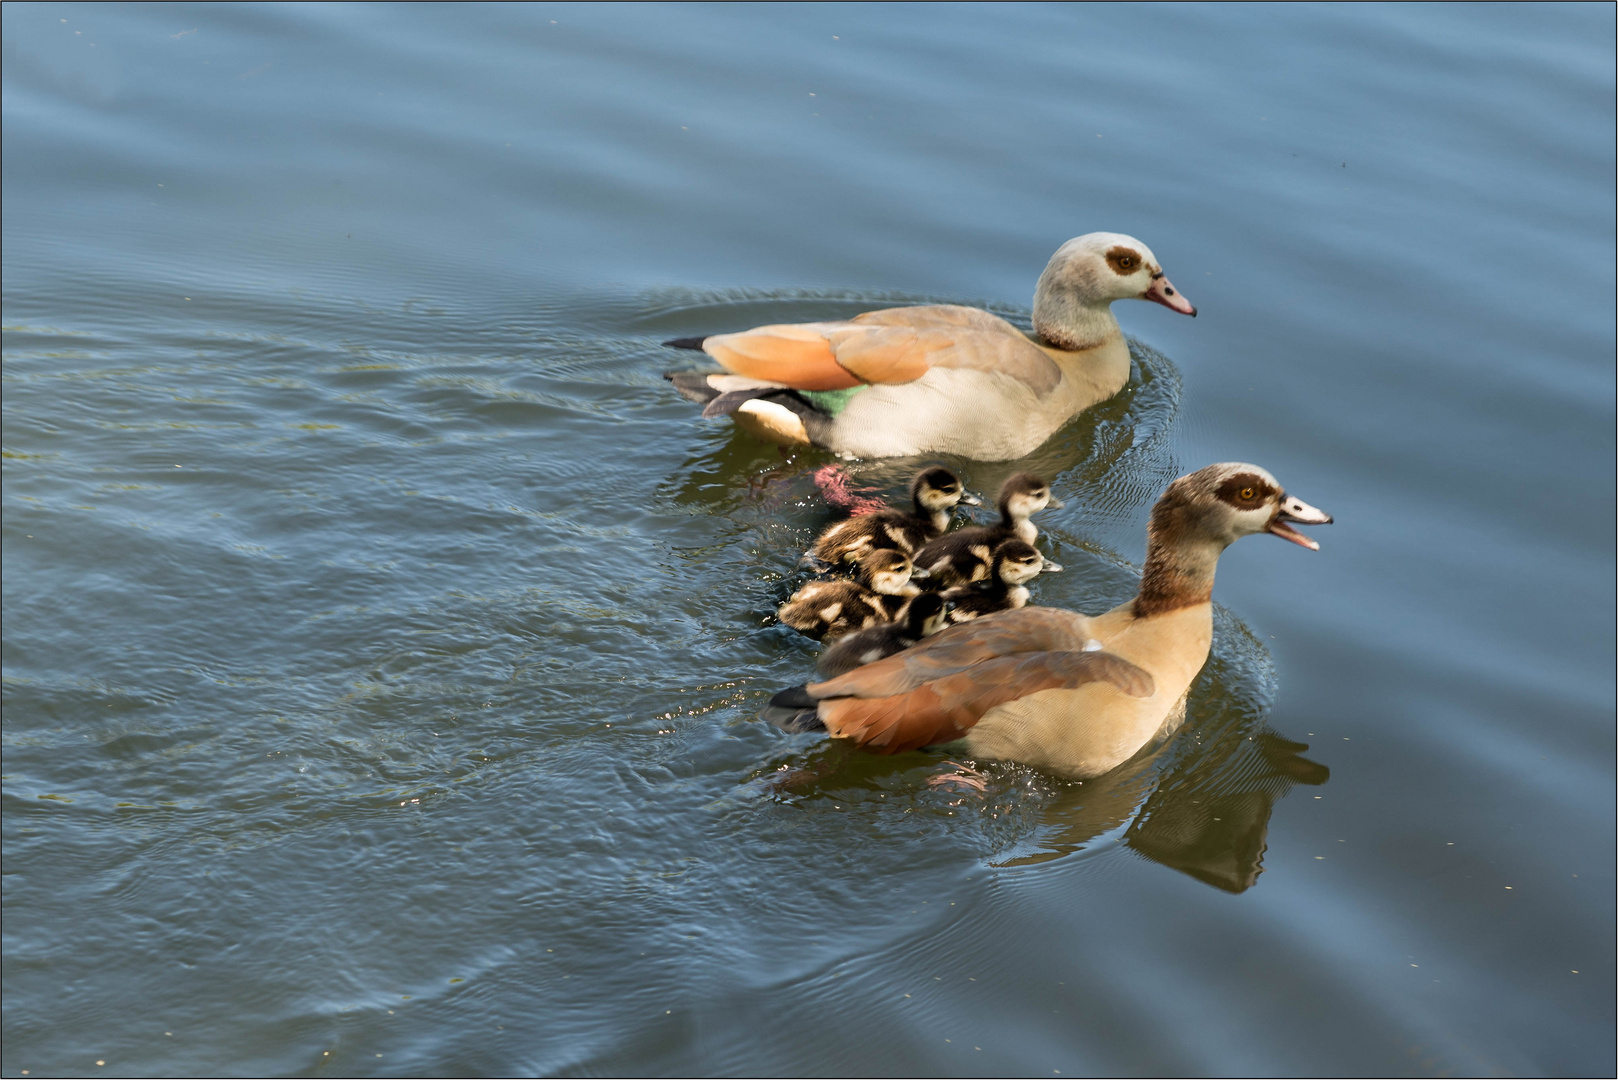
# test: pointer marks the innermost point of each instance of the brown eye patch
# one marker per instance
(1246, 491)
(1124, 261)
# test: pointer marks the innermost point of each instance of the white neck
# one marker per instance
(1062, 320)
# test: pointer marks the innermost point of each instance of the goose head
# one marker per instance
(1201, 514)
(1024, 494)
(1073, 300)
(1225, 502)
(886, 571)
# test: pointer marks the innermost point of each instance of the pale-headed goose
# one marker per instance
(1055, 689)
(938, 378)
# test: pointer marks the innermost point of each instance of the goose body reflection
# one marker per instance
(1210, 819)
(1055, 689)
(1206, 810)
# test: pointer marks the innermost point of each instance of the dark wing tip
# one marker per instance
(686, 342)
(692, 385)
(1132, 680)
(793, 710)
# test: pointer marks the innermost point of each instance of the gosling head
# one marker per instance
(1072, 303)
(935, 489)
(1023, 494)
(886, 571)
(926, 616)
(1223, 503)
(1017, 562)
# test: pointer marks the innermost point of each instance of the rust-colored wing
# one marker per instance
(1005, 633)
(896, 345)
(944, 709)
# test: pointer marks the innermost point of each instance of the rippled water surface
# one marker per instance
(384, 637)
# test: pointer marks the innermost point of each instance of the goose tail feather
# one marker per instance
(692, 385)
(793, 710)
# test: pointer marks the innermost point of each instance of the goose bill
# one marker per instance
(1294, 509)
(1161, 292)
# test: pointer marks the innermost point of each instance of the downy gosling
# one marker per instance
(967, 555)
(923, 617)
(1015, 564)
(934, 494)
(830, 609)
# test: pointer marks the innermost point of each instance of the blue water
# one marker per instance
(383, 637)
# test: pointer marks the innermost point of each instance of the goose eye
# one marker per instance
(1247, 493)
(1127, 263)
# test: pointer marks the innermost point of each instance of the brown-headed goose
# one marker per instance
(1015, 564)
(1074, 694)
(923, 617)
(966, 555)
(934, 493)
(939, 378)
(830, 609)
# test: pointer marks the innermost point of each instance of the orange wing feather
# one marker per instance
(895, 345)
(947, 708)
(883, 354)
(795, 356)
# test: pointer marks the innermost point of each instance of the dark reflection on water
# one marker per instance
(1210, 820)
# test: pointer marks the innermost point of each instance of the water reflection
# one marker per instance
(1202, 809)
(1207, 816)
(1210, 817)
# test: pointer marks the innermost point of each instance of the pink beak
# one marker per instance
(1163, 293)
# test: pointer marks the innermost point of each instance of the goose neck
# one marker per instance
(1065, 322)
(1179, 570)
